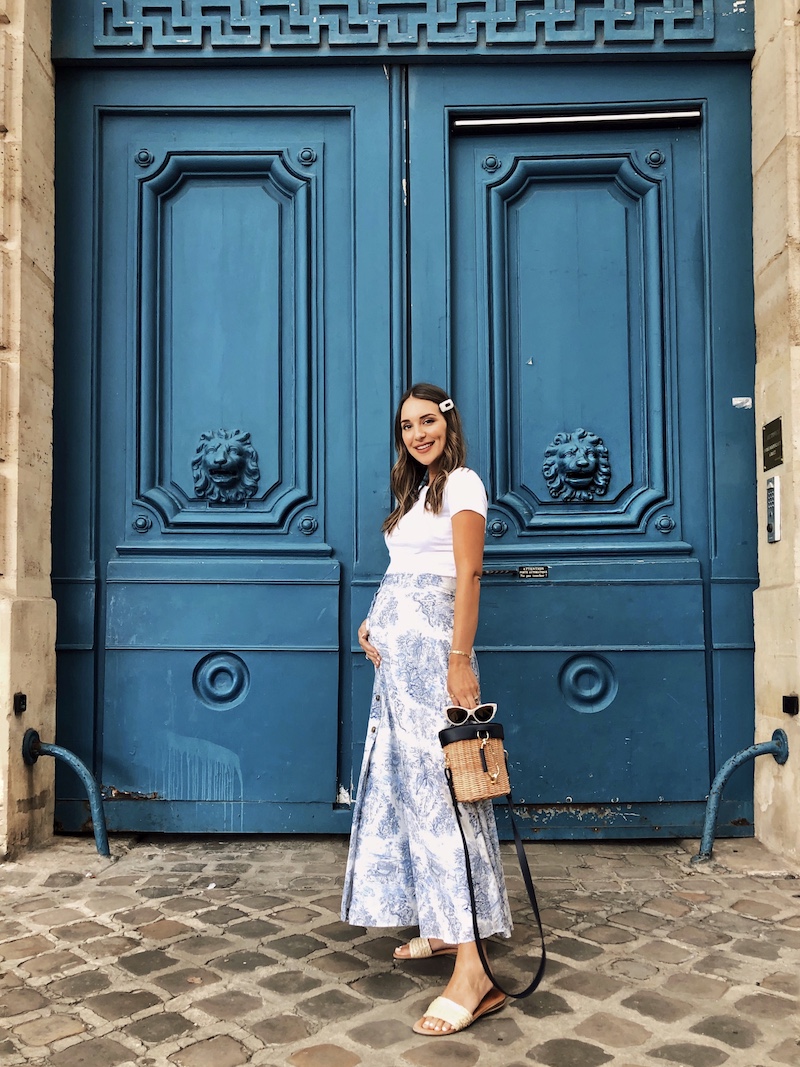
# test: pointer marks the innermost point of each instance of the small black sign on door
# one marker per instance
(772, 444)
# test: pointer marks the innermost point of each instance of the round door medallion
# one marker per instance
(221, 680)
(588, 683)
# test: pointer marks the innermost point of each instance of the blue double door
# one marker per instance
(252, 266)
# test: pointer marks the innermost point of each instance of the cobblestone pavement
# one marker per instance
(213, 953)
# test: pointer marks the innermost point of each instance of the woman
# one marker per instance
(406, 863)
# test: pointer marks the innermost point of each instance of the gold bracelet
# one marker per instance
(458, 652)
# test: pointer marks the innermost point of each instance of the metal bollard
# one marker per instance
(33, 747)
(777, 747)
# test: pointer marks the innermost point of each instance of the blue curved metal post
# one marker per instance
(777, 747)
(33, 747)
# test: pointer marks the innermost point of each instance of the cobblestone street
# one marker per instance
(219, 952)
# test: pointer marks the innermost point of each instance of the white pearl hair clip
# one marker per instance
(446, 405)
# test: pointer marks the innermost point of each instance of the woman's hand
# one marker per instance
(462, 685)
(370, 651)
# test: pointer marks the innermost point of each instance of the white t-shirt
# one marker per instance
(422, 543)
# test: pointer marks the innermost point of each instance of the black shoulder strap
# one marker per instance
(526, 875)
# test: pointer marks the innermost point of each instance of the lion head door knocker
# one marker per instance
(576, 466)
(225, 467)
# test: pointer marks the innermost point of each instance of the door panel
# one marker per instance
(232, 256)
(580, 339)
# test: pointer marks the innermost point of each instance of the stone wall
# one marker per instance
(27, 612)
(776, 231)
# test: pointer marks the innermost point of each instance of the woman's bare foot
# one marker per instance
(468, 987)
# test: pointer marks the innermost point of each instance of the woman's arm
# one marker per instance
(468, 534)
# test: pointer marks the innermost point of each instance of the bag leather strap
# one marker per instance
(528, 880)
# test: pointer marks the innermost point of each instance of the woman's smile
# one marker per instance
(424, 429)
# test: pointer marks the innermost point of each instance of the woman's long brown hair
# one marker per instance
(408, 473)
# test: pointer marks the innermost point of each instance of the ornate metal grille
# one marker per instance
(199, 24)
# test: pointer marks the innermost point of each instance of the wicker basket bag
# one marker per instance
(475, 761)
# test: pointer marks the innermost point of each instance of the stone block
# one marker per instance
(664, 952)
(687, 1054)
(244, 961)
(289, 982)
(10, 183)
(214, 1052)
(337, 931)
(608, 935)
(574, 949)
(669, 906)
(156, 1029)
(333, 1004)
(81, 932)
(79, 986)
(379, 948)
(769, 96)
(222, 916)
(184, 981)
(253, 929)
(339, 963)
(147, 962)
(567, 1052)
(205, 946)
(543, 1004)
(96, 1052)
(36, 217)
(730, 1030)
(21, 1001)
(773, 207)
(767, 1006)
(114, 947)
(770, 19)
(656, 1006)
(121, 1004)
(283, 1030)
(383, 1033)
(762, 950)
(231, 1004)
(696, 986)
(388, 985)
(787, 1052)
(324, 1056)
(24, 947)
(51, 963)
(698, 936)
(608, 1029)
(638, 920)
(777, 293)
(589, 984)
(782, 982)
(50, 1029)
(163, 930)
(296, 946)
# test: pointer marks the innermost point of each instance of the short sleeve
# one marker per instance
(464, 491)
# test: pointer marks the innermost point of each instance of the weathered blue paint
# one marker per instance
(278, 250)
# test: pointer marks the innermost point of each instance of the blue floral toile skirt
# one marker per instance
(406, 863)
